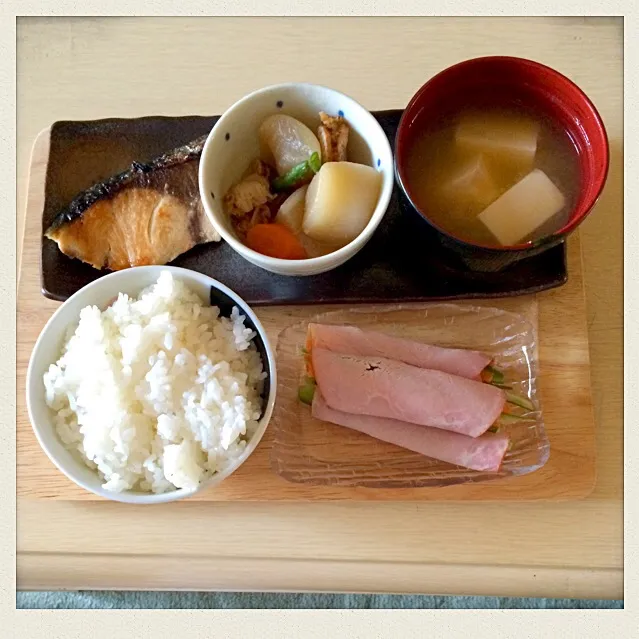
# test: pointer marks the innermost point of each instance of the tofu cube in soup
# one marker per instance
(340, 202)
(523, 209)
(469, 185)
(506, 140)
(493, 175)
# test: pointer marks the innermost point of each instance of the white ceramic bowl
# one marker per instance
(47, 351)
(233, 144)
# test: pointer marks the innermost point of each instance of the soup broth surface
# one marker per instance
(456, 167)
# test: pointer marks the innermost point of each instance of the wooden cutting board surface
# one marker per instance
(564, 389)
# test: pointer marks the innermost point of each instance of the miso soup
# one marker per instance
(494, 176)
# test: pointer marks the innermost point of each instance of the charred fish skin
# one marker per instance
(138, 174)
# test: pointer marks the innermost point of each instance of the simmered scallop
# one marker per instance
(289, 141)
(340, 202)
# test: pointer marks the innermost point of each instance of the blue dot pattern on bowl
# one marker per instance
(379, 162)
(340, 113)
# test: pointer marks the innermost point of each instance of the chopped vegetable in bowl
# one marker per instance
(302, 198)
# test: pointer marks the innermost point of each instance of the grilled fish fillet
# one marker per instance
(149, 214)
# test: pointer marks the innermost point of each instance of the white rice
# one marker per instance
(159, 392)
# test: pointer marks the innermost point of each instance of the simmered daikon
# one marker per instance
(314, 248)
(340, 202)
(291, 213)
(289, 141)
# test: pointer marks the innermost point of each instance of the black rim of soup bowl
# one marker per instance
(474, 257)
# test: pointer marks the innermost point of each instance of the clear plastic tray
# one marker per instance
(307, 450)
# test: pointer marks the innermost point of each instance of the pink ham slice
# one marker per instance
(351, 340)
(386, 388)
(477, 453)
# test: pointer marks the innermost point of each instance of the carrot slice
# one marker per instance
(275, 240)
(308, 358)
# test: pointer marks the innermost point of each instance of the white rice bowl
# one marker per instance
(158, 392)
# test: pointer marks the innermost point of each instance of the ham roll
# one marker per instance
(381, 387)
(351, 340)
(477, 453)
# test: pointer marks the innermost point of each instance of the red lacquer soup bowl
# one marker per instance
(506, 81)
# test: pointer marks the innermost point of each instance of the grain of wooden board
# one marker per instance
(81, 69)
(564, 388)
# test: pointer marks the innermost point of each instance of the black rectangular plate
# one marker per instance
(395, 266)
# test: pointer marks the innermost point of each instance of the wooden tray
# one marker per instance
(564, 389)
(84, 153)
